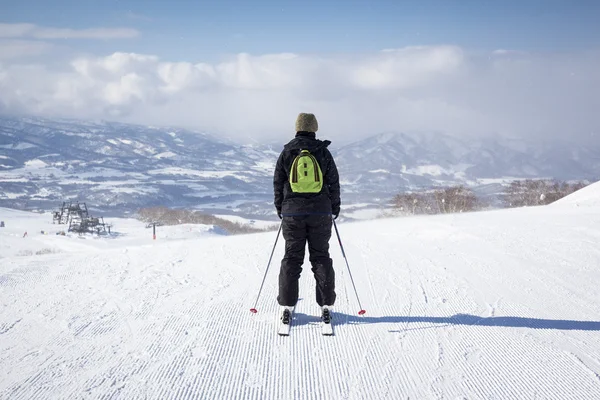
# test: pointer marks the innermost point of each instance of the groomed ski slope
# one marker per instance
(489, 305)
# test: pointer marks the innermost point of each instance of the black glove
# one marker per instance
(279, 215)
(336, 214)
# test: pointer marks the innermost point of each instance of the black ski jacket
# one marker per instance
(289, 203)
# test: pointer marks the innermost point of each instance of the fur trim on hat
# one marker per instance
(306, 123)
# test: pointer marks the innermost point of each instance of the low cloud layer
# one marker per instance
(11, 49)
(435, 88)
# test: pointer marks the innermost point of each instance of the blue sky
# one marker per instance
(515, 68)
(193, 30)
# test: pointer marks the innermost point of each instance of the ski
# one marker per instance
(285, 321)
(326, 322)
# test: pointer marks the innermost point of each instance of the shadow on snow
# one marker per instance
(458, 319)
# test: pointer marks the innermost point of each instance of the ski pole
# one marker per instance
(253, 309)
(362, 311)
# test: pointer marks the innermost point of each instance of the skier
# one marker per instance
(307, 197)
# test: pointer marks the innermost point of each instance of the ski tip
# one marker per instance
(253, 310)
(362, 312)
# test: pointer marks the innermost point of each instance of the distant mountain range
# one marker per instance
(399, 160)
(118, 168)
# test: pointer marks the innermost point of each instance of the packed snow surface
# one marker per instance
(500, 304)
(589, 196)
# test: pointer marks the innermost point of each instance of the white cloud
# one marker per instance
(39, 32)
(10, 49)
(408, 67)
(442, 88)
(15, 30)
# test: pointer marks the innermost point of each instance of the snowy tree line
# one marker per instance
(456, 199)
(439, 201)
(170, 216)
(538, 192)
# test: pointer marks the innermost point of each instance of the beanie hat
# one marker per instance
(306, 123)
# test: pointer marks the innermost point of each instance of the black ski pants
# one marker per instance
(297, 231)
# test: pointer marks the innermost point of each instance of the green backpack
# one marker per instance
(305, 174)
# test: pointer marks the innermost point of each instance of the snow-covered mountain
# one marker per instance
(121, 167)
(399, 160)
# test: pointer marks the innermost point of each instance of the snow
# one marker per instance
(496, 304)
(193, 172)
(105, 150)
(35, 163)
(11, 195)
(126, 232)
(264, 166)
(433, 169)
(457, 170)
(502, 181)
(256, 223)
(365, 213)
(18, 146)
(43, 192)
(79, 134)
(129, 190)
(166, 154)
(589, 196)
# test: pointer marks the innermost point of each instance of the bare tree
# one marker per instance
(531, 192)
(439, 201)
(167, 216)
(456, 199)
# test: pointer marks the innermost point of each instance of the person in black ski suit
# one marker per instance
(306, 217)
